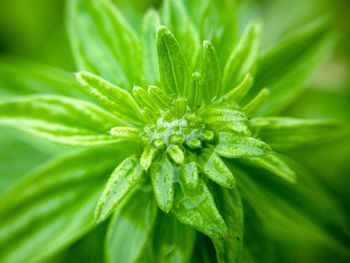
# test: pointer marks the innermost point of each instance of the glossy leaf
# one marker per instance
(190, 175)
(211, 75)
(197, 209)
(123, 179)
(174, 242)
(159, 97)
(115, 99)
(214, 167)
(103, 42)
(163, 176)
(195, 93)
(173, 70)
(131, 227)
(150, 25)
(176, 18)
(54, 205)
(287, 133)
(59, 119)
(233, 145)
(222, 119)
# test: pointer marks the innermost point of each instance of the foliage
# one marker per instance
(175, 139)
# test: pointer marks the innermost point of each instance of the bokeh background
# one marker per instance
(34, 30)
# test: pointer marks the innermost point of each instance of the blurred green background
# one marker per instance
(35, 30)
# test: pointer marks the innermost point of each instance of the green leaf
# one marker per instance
(216, 22)
(15, 145)
(176, 18)
(103, 42)
(174, 242)
(115, 99)
(123, 179)
(59, 119)
(150, 25)
(20, 77)
(243, 58)
(211, 75)
(214, 167)
(257, 102)
(197, 209)
(163, 176)
(131, 227)
(240, 91)
(173, 70)
(283, 133)
(275, 164)
(233, 145)
(194, 94)
(143, 99)
(190, 175)
(126, 133)
(230, 206)
(287, 221)
(284, 68)
(223, 119)
(159, 97)
(54, 205)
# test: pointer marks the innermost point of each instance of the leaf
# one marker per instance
(173, 70)
(194, 94)
(123, 179)
(15, 147)
(197, 209)
(190, 175)
(211, 75)
(240, 91)
(54, 205)
(216, 22)
(63, 120)
(257, 102)
(284, 68)
(115, 99)
(163, 176)
(214, 167)
(274, 164)
(174, 242)
(103, 42)
(287, 221)
(232, 145)
(126, 133)
(243, 58)
(230, 206)
(159, 97)
(150, 25)
(176, 18)
(222, 119)
(143, 99)
(131, 227)
(284, 133)
(20, 77)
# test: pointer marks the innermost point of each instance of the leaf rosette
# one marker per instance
(191, 101)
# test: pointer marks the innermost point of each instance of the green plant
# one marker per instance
(183, 137)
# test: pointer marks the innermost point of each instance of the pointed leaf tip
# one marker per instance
(162, 176)
(123, 179)
(173, 70)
